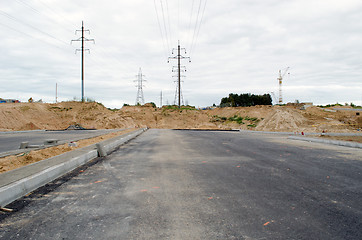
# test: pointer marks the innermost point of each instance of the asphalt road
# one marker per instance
(201, 185)
(10, 141)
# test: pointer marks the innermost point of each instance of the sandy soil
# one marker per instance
(292, 119)
(30, 116)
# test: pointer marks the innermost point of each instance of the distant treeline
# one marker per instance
(245, 100)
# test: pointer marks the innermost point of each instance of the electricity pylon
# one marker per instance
(82, 49)
(140, 99)
(178, 69)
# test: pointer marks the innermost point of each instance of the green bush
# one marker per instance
(237, 119)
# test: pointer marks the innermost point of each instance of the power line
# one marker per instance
(71, 26)
(26, 34)
(189, 28)
(30, 26)
(164, 23)
(159, 25)
(56, 13)
(197, 25)
(169, 23)
(198, 31)
(178, 19)
(29, 6)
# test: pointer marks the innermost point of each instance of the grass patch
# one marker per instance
(253, 121)
(237, 119)
(175, 107)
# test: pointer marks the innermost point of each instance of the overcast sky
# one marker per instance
(236, 46)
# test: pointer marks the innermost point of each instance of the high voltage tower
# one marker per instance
(82, 50)
(140, 99)
(178, 69)
(173, 17)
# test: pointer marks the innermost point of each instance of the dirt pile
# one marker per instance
(31, 116)
(280, 120)
(168, 117)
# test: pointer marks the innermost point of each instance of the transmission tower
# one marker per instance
(140, 99)
(178, 69)
(82, 50)
(178, 92)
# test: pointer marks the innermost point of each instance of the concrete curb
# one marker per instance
(333, 142)
(305, 133)
(61, 142)
(27, 131)
(22, 187)
(109, 145)
(15, 189)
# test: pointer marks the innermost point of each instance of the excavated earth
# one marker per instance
(33, 116)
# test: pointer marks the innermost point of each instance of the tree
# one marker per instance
(245, 100)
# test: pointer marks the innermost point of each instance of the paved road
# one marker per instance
(201, 185)
(10, 141)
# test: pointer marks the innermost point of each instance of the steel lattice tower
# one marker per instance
(177, 93)
(140, 98)
(179, 69)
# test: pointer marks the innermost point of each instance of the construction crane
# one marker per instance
(274, 97)
(280, 79)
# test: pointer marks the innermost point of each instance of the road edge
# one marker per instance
(332, 142)
(71, 160)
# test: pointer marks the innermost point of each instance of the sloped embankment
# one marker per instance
(31, 116)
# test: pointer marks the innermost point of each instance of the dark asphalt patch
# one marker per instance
(42, 192)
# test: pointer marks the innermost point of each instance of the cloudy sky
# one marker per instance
(236, 46)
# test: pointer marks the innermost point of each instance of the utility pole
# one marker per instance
(56, 92)
(161, 100)
(82, 50)
(140, 99)
(179, 69)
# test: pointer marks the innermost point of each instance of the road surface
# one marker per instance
(169, 184)
(10, 141)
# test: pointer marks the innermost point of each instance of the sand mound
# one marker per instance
(283, 120)
(31, 116)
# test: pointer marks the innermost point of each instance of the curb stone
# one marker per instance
(19, 182)
(333, 142)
